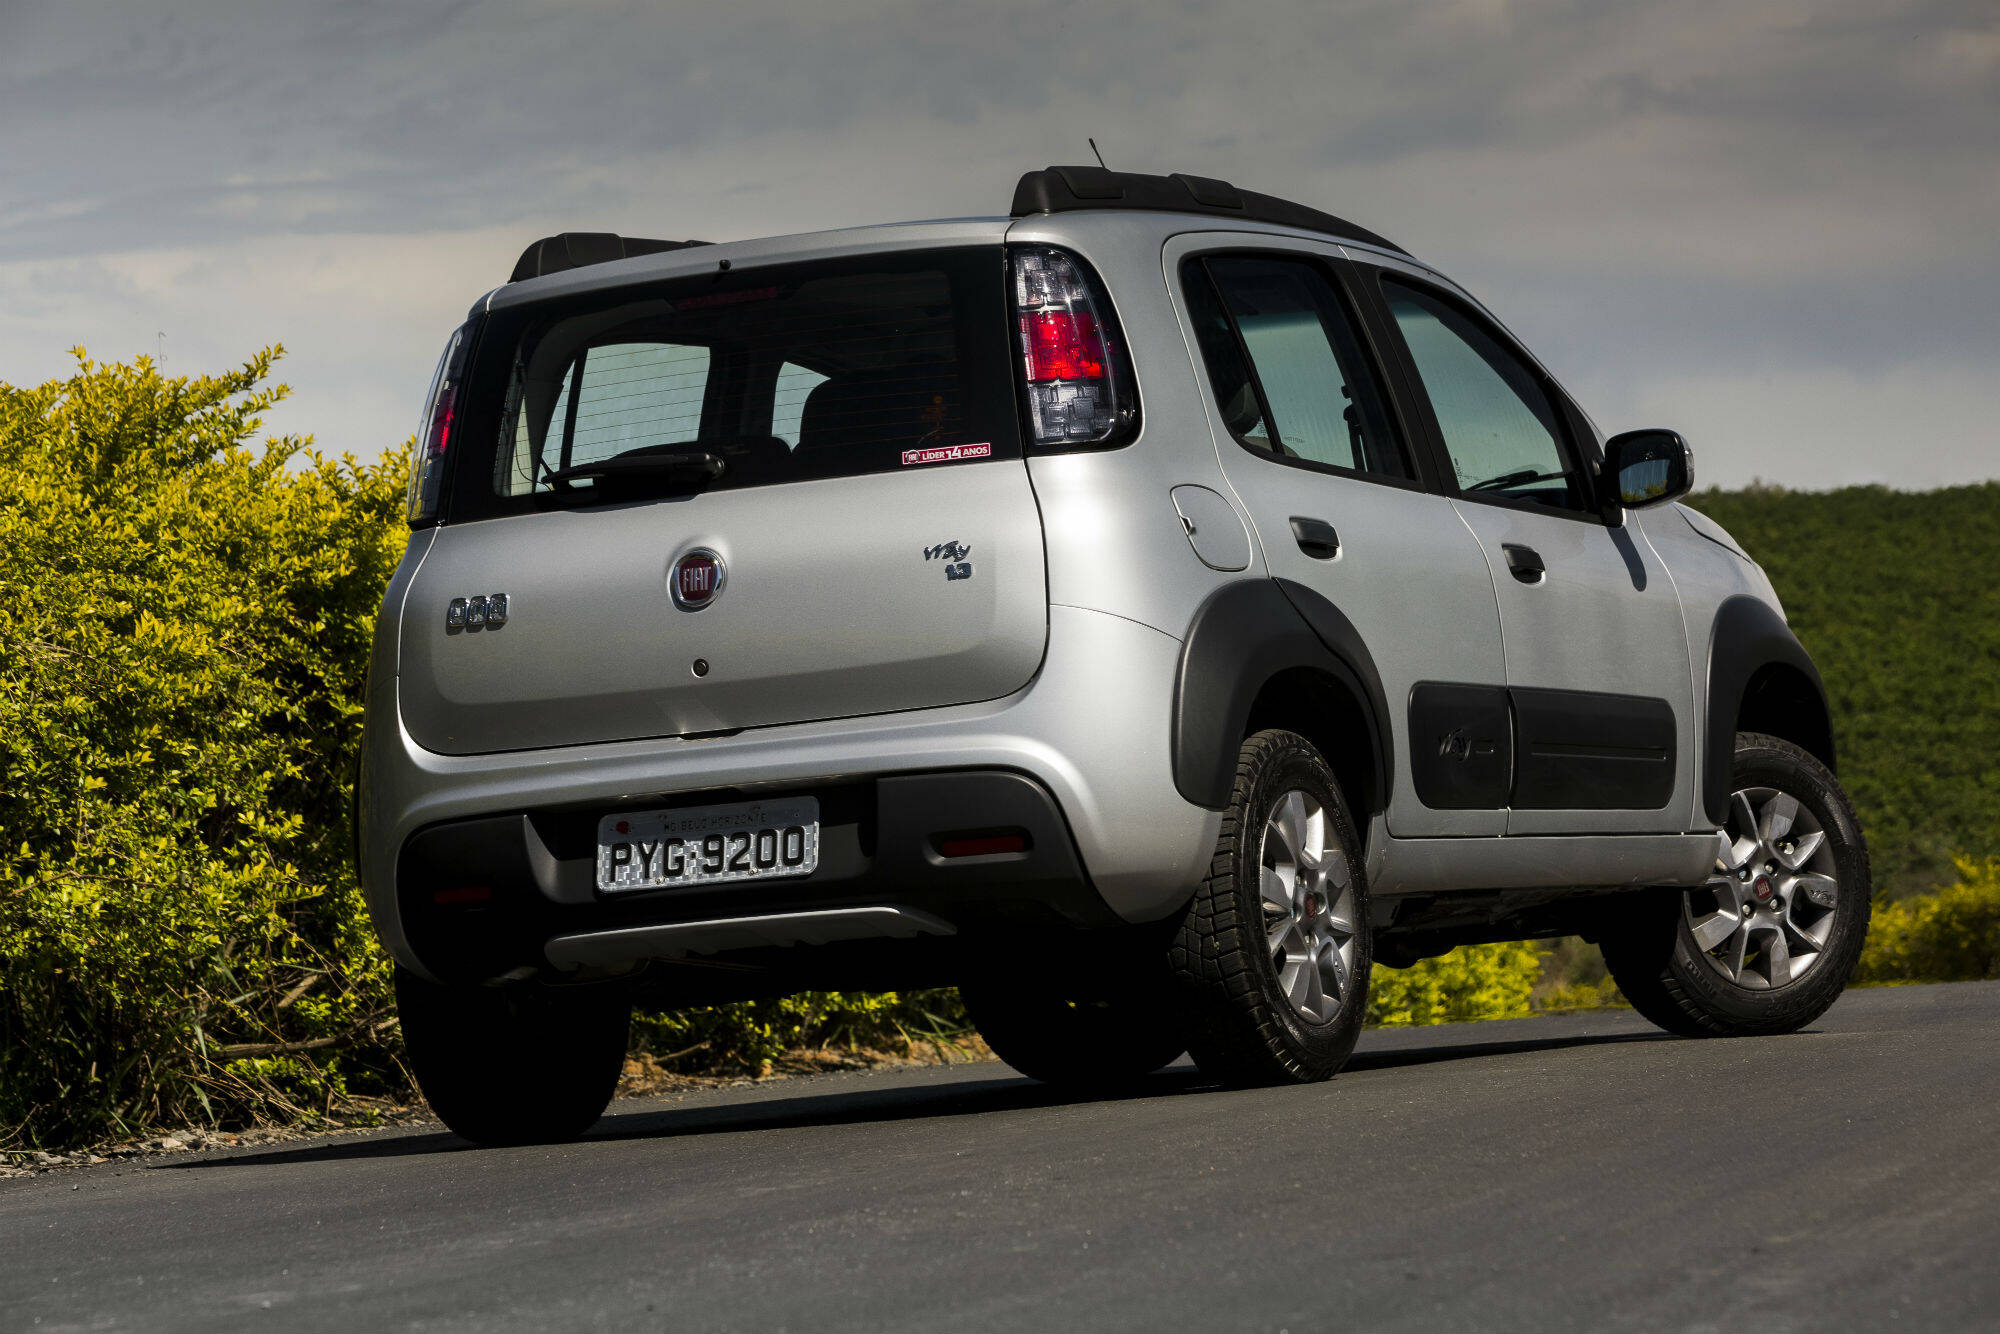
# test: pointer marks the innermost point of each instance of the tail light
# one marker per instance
(442, 410)
(1075, 378)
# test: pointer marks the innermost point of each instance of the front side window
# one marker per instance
(1288, 372)
(1498, 426)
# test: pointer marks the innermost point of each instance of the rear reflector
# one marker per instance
(982, 845)
(463, 894)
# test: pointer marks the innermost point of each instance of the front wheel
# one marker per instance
(523, 1064)
(1272, 959)
(1766, 945)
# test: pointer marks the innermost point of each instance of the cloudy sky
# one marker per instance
(1770, 223)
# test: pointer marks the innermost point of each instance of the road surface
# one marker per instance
(1557, 1173)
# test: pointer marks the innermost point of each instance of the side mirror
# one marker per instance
(1649, 467)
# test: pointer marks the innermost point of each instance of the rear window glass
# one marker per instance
(776, 374)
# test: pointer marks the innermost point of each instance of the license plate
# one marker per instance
(706, 845)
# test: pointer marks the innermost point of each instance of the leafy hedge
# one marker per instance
(1952, 935)
(184, 625)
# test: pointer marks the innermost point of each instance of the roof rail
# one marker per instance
(1069, 189)
(574, 250)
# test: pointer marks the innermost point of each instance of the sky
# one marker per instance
(1773, 225)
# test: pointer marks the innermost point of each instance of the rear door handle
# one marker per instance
(1524, 563)
(1316, 537)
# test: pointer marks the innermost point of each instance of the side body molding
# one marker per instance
(1245, 634)
(1748, 640)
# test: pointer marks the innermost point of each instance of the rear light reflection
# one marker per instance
(463, 894)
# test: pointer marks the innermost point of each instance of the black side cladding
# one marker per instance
(576, 250)
(1756, 665)
(1244, 635)
(1583, 750)
(1068, 189)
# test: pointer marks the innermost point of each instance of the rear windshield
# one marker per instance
(740, 378)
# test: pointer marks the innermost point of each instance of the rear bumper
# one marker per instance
(882, 872)
(1088, 738)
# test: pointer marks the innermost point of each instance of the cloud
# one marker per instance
(1787, 197)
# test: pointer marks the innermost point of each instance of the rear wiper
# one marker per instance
(1506, 480)
(687, 465)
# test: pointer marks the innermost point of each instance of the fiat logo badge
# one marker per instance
(696, 579)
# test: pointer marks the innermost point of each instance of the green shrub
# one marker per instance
(1952, 935)
(1471, 982)
(184, 625)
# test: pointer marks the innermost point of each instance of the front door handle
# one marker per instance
(1316, 537)
(1524, 563)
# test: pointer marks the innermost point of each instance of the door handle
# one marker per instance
(1316, 537)
(1524, 563)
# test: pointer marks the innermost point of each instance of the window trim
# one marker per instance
(1330, 269)
(1577, 460)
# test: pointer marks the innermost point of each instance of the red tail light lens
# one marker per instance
(1063, 346)
(1075, 382)
(434, 431)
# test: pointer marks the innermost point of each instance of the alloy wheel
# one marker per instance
(1307, 890)
(1765, 917)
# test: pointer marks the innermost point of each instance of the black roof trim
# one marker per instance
(1068, 189)
(574, 250)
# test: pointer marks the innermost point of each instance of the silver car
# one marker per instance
(1149, 611)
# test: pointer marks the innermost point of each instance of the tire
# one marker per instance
(525, 1064)
(1075, 1044)
(1240, 1006)
(1767, 945)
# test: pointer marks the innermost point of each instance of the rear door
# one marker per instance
(870, 544)
(1324, 466)
(1597, 666)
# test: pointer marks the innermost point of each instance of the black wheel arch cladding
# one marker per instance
(1242, 637)
(1761, 676)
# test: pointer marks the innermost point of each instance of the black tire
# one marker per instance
(1240, 1025)
(1075, 1044)
(523, 1064)
(1659, 964)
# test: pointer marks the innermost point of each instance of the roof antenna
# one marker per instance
(1093, 148)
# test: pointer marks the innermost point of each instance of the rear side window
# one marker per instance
(1496, 420)
(1288, 372)
(772, 375)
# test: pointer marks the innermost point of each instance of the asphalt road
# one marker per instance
(1541, 1174)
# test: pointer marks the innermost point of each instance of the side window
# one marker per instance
(1497, 422)
(1287, 369)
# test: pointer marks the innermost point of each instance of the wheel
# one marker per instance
(525, 1064)
(1766, 945)
(1076, 1044)
(1271, 963)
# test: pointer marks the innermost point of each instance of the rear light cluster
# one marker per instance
(434, 432)
(1077, 384)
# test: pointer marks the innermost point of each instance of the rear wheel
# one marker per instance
(1766, 945)
(1272, 960)
(1075, 1044)
(522, 1064)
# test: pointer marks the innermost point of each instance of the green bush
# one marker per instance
(184, 625)
(1471, 982)
(1952, 935)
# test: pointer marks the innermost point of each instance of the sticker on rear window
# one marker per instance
(946, 453)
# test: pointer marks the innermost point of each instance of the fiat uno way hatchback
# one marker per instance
(1149, 611)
